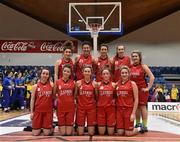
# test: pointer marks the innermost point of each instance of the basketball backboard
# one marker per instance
(82, 15)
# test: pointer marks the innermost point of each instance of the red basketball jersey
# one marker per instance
(86, 95)
(125, 97)
(138, 75)
(65, 91)
(118, 62)
(101, 63)
(43, 97)
(106, 95)
(80, 64)
(63, 62)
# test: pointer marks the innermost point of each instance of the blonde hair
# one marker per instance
(125, 67)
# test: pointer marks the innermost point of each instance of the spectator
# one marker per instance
(29, 84)
(1, 91)
(174, 93)
(166, 94)
(153, 97)
(7, 90)
(160, 94)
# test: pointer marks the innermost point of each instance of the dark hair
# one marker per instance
(45, 68)
(15, 74)
(88, 66)
(86, 43)
(68, 45)
(8, 71)
(67, 66)
(139, 54)
(106, 68)
(104, 45)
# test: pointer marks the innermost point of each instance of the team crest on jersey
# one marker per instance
(81, 60)
(38, 89)
(101, 88)
(116, 62)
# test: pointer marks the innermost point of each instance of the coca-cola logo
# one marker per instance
(49, 46)
(19, 46)
(35, 46)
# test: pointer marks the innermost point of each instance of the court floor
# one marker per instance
(160, 129)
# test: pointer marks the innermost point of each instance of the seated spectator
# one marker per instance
(159, 94)
(153, 93)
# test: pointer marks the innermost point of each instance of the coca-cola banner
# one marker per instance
(36, 46)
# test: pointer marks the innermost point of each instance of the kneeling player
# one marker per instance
(106, 103)
(127, 103)
(42, 105)
(64, 89)
(86, 103)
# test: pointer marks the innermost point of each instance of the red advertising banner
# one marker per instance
(36, 46)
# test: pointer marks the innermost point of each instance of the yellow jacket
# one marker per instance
(174, 93)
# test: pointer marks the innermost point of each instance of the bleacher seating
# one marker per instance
(163, 75)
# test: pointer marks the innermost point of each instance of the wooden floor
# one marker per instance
(12, 114)
(151, 136)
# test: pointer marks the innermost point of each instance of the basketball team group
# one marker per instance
(104, 94)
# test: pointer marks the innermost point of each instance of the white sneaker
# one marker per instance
(22, 107)
(6, 110)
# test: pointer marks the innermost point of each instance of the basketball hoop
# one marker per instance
(94, 29)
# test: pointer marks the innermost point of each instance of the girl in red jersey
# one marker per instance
(64, 89)
(66, 59)
(138, 74)
(127, 103)
(83, 59)
(102, 61)
(42, 104)
(119, 60)
(106, 103)
(86, 103)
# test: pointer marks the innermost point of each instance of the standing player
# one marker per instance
(7, 90)
(66, 59)
(127, 103)
(102, 61)
(65, 105)
(138, 74)
(106, 103)
(119, 60)
(83, 59)
(20, 90)
(42, 104)
(86, 103)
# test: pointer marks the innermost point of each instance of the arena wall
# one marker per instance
(159, 42)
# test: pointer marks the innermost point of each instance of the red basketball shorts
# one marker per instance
(123, 118)
(106, 116)
(143, 97)
(82, 114)
(65, 118)
(42, 120)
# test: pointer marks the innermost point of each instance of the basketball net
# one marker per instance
(94, 29)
